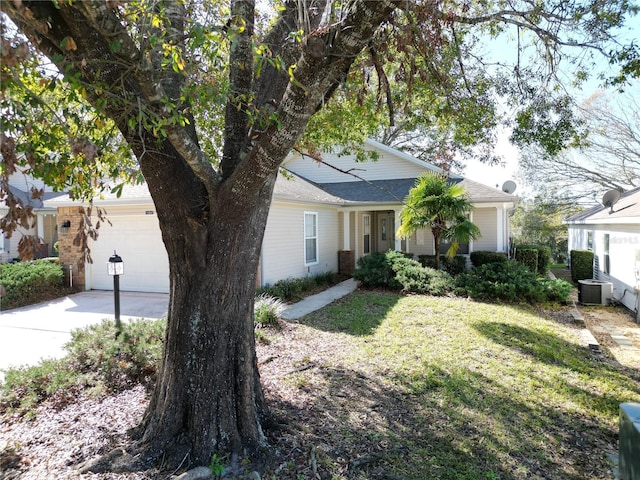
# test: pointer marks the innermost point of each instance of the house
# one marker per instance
(612, 233)
(324, 216)
(45, 224)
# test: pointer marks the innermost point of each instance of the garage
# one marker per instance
(136, 237)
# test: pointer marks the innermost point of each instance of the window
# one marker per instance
(310, 238)
(589, 240)
(366, 234)
(445, 243)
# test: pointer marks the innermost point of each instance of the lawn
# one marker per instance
(384, 386)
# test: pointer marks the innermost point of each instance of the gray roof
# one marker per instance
(627, 207)
(395, 191)
(291, 187)
(37, 203)
(294, 188)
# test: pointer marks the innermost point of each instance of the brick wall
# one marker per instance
(346, 262)
(69, 253)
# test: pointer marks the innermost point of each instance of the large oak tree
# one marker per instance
(210, 98)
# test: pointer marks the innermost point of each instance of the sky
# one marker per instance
(496, 175)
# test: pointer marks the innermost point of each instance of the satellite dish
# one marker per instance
(610, 198)
(509, 187)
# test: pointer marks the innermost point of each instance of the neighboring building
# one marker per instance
(45, 224)
(321, 220)
(613, 235)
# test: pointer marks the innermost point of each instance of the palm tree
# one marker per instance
(442, 206)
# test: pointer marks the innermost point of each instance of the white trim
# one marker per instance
(304, 227)
(366, 227)
(346, 227)
(396, 226)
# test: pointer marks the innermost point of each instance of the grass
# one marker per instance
(465, 390)
(379, 385)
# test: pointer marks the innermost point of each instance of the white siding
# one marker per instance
(424, 247)
(9, 246)
(385, 168)
(578, 237)
(283, 245)
(487, 220)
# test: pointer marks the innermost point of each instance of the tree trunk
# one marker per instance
(208, 396)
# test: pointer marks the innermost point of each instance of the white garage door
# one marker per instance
(137, 239)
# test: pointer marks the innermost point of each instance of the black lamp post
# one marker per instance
(115, 268)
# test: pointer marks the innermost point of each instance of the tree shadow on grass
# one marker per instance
(358, 315)
(453, 424)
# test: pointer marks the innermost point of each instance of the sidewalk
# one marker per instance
(319, 300)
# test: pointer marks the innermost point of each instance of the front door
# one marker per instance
(386, 232)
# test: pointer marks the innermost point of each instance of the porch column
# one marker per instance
(40, 225)
(346, 227)
(396, 224)
(501, 229)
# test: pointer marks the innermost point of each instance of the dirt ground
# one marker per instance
(605, 321)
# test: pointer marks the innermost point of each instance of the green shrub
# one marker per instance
(117, 363)
(544, 257)
(267, 310)
(31, 282)
(528, 257)
(510, 281)
(374, 270)
(96, 362)
(294, 289)
(481, 257)
(454, 266)
(395, 270)
(556, 290)
(581, 265)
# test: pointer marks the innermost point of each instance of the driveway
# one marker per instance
(39, 331)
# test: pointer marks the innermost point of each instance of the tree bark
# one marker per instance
(208, 396)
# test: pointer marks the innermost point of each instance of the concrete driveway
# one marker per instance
(39, 331)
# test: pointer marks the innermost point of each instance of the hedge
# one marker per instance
(528, 257)
(454, 266)
(581, 265)
(30, 282)
(482, 257)
(544, 257)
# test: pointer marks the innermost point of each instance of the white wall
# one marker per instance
(624, 256)
(283, 245)
(486, 219)
(385, 168)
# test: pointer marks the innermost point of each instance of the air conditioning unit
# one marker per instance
(594, 292)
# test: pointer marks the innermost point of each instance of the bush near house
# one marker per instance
(544, 257)
(31, 282)
(506, 280)
(528, 257)
(396, 271)
(294, 289)
(454, 266)
(481, 257)
(511, 281)
(581, 265)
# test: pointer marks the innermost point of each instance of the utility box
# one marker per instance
(629, 459)
(594, 292)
